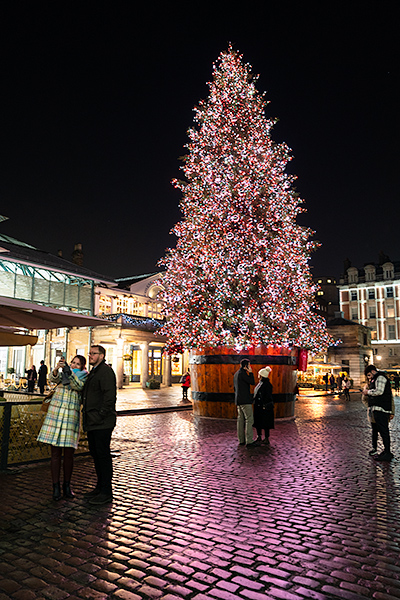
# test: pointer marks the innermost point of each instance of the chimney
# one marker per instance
(77, 255)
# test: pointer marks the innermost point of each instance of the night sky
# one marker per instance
(96, 99)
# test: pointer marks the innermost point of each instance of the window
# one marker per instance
(389, 292)
(392, 352)
(122, 304)
(104, 305)
(391, 332)
(353, 295)
(352, 274)
(370, 272)
(354, 314)
(320, 293)
(388, 270)
(371, 294)
(329, 281)
(371, 312)
(390, 311)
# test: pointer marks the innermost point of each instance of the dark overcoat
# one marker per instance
(99, 396)
(263, 406)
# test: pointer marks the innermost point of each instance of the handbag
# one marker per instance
(46, 400)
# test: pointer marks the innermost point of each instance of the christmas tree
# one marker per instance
(239, 275)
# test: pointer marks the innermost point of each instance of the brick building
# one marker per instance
(371, 296)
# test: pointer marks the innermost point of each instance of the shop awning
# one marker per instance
(17, 313)
(12, 337)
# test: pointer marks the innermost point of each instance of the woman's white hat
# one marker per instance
(264, 372)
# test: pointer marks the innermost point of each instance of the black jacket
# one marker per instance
(242, 382)
(263, 394)
(99, 397)
(384, 400)
(264, 405)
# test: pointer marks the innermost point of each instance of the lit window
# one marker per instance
(329, 281)
(390, 311)
(320, 293)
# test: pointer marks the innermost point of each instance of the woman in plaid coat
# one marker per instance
(62, 422)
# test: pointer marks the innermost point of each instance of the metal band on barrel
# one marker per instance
(234, 359)
(228, 397)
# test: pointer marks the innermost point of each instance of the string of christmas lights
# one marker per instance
(239, 274)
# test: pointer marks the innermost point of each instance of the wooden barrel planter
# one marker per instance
(212, 371)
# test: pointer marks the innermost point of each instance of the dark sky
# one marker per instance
(96, 99)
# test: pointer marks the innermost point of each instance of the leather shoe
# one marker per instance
(253, 444)
(384, 456)
(101, 499)
(56, 492)
(92, 493)
(68, 493)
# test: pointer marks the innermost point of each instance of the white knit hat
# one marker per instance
(264, 372)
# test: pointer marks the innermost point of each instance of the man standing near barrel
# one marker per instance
(242, 381)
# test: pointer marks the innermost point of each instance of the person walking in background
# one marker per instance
(339, 383)
(242, 381)
(263, 406)
(332, 382)
(185, 381)
(31, 375)
(62, 422)
(346, 385)
(380, 409)
(42, 376)
(326, 381)
(99, 419)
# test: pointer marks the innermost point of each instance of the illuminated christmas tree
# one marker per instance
(239, 275)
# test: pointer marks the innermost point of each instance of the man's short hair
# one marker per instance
(244, 362)
(369, 369)
(100, 349)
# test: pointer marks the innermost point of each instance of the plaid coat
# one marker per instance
(62, 422)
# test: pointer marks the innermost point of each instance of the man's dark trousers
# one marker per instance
(99, 447)
(382, 425)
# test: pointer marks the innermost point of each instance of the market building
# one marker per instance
(130, 309)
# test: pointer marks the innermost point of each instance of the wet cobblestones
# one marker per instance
(195, 516)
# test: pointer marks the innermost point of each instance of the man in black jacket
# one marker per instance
(99, 419)
(380, 407)
(242, 381)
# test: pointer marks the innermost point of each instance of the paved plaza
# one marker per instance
(195, 516)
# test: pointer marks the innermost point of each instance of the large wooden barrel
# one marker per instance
(212, 371)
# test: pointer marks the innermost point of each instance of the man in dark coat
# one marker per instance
(42, 376)
(380, 408)
(242, 381)
(99, 418)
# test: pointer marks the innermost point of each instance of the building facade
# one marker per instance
(371, 296)
(327, 296)
(130, 308)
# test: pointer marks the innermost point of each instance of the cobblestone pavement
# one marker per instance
(195, 516)
(133, 397)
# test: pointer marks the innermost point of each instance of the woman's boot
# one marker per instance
(68, 493)
(56, 491)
